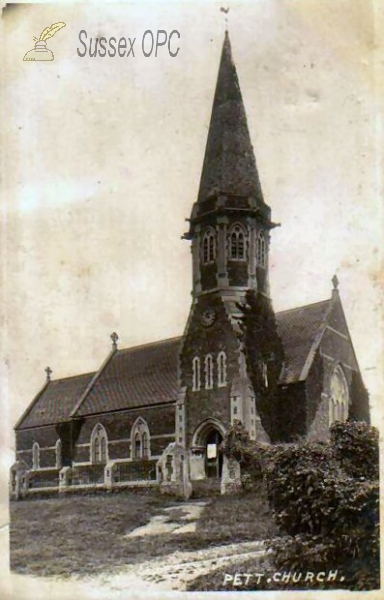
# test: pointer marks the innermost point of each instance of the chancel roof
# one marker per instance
(148, 374)
(300, 330)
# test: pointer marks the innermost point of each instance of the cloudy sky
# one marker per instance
(102, 164)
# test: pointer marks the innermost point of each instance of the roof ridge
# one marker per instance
(89, 374)
(172, 339)
(303, 306)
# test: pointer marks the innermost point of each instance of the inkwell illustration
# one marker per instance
(40, 51)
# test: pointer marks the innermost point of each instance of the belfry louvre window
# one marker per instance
(237, 243)
(261, 250)
(221, 369)
(195, 374)
(209, 246)
(208, 372)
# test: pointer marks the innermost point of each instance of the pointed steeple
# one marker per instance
(229, 163)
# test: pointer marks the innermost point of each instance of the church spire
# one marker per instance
(229, 164)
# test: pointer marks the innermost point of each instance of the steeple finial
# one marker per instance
(114, 337)
(225, 11)
(49, 372)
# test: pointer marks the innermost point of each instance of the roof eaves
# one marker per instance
(296, 308)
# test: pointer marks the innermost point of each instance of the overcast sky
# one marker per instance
(103, 159)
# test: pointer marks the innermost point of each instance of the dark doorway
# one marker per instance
(213, 458)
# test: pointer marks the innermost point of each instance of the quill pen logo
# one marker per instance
(40, 51)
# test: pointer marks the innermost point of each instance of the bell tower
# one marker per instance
(230, 222)
(229, 230)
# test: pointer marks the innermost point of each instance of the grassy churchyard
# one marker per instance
(324, 533)
(88, 534)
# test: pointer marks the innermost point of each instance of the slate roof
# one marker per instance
(148, 374)
(229, 162)
(55, 402)
(299, 329)
(135, 377)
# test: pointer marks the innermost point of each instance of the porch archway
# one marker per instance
(206, 441)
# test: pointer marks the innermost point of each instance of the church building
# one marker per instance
(146, 406)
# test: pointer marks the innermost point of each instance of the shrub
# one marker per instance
(324, 498)
(297, 478)
(356, 447)
(351, 547)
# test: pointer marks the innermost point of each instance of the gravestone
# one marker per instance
(172, 471)
(231, 476)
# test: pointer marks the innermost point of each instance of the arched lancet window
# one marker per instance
(137, 446)
(339, 396)
(35, 456)
(140, 440)
(221, 369)
(208, 372)
(209, 246)
(97, 455)
(99, 445)
(261, 249)
(144, 441)
(59, 463)
(237, 239)
(103, 450)
(195, 374)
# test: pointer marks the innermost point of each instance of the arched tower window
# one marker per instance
(209, 246)
(59, 463)
(261, 249)
(237, 241)
(140, 439)
(208, 372)
(221, 369)
(99, 445)
(35, 456)
(196, 374)
(339, 397)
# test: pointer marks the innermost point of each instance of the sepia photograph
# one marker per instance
(192, 333)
